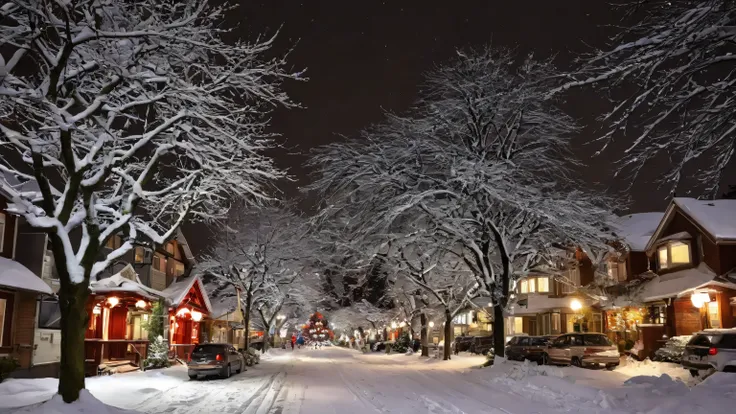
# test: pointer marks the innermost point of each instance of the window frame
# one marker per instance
(6, 324)
(38, 317)
(667, 248)
(142, 256)
(539, 290)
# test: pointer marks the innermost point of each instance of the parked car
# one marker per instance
(214, 359)
(481, 344)
(462, 343)
(527, 347)
(581, 350)
(712, 349)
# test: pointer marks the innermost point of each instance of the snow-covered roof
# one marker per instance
(677, 283)
(717, 217)
(537, 303)
(224, 301)
(119, 283)
(637, 229)
(15, 275)
(185, 246)
(177, 291)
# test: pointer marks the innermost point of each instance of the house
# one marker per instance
(682, 280)
(226, 322)
(188, 305)
(20, 287)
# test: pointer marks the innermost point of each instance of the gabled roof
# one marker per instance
(177, 291)
(120, 283)
(716, 218)
(636, 229)
(185, 246)
(678, 283)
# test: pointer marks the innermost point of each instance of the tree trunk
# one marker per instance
(424, 334)
(266, 340)
(448, 335)
(246, 317)
(74, 321)
(499, 338)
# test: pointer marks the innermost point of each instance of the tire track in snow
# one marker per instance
(263, 399)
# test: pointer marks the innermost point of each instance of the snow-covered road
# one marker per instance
(336, 380)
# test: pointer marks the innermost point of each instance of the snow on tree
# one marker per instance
(483, 159)
(158, 354)
(671, 78)
(131, 116)
(262, 253)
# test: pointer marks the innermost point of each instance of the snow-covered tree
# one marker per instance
(131, 116)
(671, 81)
(262, 253)
(482, 160)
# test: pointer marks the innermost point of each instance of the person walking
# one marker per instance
(293, 341)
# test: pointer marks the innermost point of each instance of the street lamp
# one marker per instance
(431, 324)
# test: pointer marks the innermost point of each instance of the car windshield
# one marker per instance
(597, 340)
(208, 349)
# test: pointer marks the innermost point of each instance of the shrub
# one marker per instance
(7, 365)
(403, 344)
(628, 345)
(158, 354)
(673, 349)
(251, 356)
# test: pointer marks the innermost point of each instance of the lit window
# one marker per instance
(555, 323)
(532, 286)
(170, 248)
(543, 285)
(3, 304)
(713, 317)
(663, 257)
(679, 253)
(2, 236)
(524, 286)
(159, 263)
(140, 254)
(178, 269)
(518, 325)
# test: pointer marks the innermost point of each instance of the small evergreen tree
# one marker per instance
(402, 345)
(155, 324)
(158, 354)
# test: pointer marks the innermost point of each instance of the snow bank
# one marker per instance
(634, 368)
(86, 404)
(16, 393)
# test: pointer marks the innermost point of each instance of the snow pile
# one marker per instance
(633, 368)
(503, 369)
(16, 393)
(86, 404)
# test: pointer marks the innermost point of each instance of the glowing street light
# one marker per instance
(431, 324)
(576, 305)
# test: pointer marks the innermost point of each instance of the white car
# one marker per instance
(712, 349)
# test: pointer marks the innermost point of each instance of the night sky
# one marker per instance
(366, 57)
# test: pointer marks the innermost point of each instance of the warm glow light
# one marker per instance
(145, 316)
(182, 312)
(113, 301)
(699, 299)
(393, 325)
(402, 324)
(141, 304)
(97, 310)
(576, 305)
(431, 324)
(196, 316)
(281, 317)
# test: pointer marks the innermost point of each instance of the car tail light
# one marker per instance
(713, 351)
(218, 357)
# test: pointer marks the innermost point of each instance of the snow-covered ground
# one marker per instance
(335, 380)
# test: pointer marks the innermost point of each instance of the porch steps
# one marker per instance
(116, 367)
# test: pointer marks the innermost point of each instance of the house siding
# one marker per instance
(688, 319)
(636, 264)
(23, 327)
(727, 256)
(703, 248)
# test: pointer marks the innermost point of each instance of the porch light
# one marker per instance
(97, 310)
(431, 324)
(402, 324)
(141, 304)
(182, 312)
(699, 299)
(576, 305)
(113, 301)
(393, 325)
(196, 316)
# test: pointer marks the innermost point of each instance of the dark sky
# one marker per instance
(364, 57)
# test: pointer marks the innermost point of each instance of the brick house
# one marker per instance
(680, 279)
(20, 287)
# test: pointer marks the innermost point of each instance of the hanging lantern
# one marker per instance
(182, 312)
(196, 316)
(141, 304)
(113, 301)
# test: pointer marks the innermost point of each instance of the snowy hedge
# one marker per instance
(673, 349)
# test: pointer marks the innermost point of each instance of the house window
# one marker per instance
(596, 323)
(159, 263)
(713, 316)
(673, 254)
(555, 323)
(461, 319)
(49, 315)
(572, 282)
(170, 248)
(137, 327)
(656, 314)
(140, 254)
(518, 325)
(178, 268)
(543, 284)
(2, 232)
(524, 286)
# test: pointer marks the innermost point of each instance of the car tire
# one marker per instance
(193, 377)
(544, 360)
(611, 367)
(226, 372)
(694, 373)
(576, 362)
